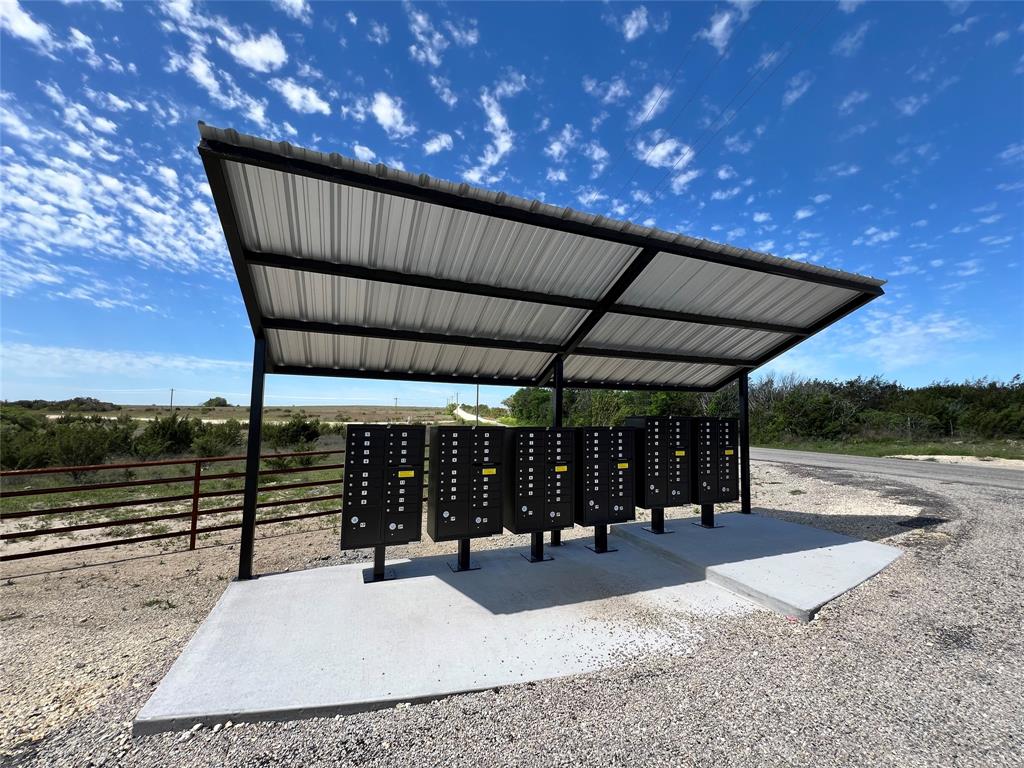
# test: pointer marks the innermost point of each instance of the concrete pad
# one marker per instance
(320, 641)
(786, 567)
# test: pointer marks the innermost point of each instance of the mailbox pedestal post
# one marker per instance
(378, 572)
(462, 562)
(707, 516)
(657, 521)
(601, 540)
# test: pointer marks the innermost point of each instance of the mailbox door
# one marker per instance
(402, 528)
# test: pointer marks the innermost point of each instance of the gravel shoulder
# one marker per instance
(921, 665)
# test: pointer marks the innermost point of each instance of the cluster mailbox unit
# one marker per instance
(465, 485)
(383, 488)
(663, 464)
(605, 484)
(540, 495)
(716, 470)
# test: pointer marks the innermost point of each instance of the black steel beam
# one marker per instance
(427, 378)
(640, 262)
(372, 274)
(397, 334)
(668, 357)
(637, 386)
(690, 317)
(832, 317)
(399, 188)
(236, 249)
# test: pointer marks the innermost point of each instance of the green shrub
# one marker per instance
(217, 439)
(166, 436)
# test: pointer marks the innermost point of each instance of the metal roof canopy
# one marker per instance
(356, 270)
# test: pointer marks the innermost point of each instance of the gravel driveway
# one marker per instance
(921, 665)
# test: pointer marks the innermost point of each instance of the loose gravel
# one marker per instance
(920, 666)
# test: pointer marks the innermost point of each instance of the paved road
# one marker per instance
(964, 474)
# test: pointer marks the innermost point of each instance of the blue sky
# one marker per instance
(883, 138)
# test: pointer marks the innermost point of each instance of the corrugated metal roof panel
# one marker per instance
(616, 370)
(688, 285)
(291, 294)
(381, 171)
(626, 332)
(298, 216)
(319, 350)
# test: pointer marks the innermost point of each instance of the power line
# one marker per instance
(690, 156)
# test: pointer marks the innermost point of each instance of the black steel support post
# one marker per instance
(556, 421)
(378, 572)
(463, 563)
(601, 540)
(537, 548)
(744, 382)
(658, 521)
(707, 515)
(252, 460)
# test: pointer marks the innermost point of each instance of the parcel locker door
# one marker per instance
(402, 528)
(360, 528)
(485, 521)
(451, 521)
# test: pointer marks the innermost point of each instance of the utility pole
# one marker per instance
(478, 405)
(172, 398)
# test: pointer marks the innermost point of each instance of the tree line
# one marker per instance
(28, 440)
(790, 409)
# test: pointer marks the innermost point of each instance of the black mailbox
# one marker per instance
(383, 490)
(662, 460)
(605, 487)
(467, 476)
(541, 472)
(716, 469)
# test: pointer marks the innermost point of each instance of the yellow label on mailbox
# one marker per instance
(562, 468)
(407, 473)
(623, 465)
(728, 452)
(680, 453)
(490, 471)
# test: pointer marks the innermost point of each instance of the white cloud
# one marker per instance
(263, 54)
(1014, 153)
(17, 22)
(219, 86)
(760, 217)
(168, 176)
(443, 90)
(897, 340)
(663, 151)
(736, 143)
(610, 92)
(438, 143)
(502, 136)
(803, 213)
(352, 18)
(920, 223)
(998, 38)
(718, 31)
(797, 87)
(556, 175)
(765, 246)
(364, 153)
(297, 9)
(908, 106)
(378, 33)
(822, 198)
(996, 240)
(682, 180)
(963, 26)
(726, 194)
(589, 195)
(635, 24)
(652, 105)
(874, 236)
(844, 169)
(32, 361)
(598, 157)
(852, 99)
(301, 98)
(465, 36)
(558, 147)
(725, 173)
(388, 111)
(849, 6)
(430, 43)
(852, 41)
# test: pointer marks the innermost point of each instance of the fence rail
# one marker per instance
(195, 477)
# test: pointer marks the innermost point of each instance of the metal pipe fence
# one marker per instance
(78, 517)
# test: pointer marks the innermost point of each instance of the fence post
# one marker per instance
(195, 505)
